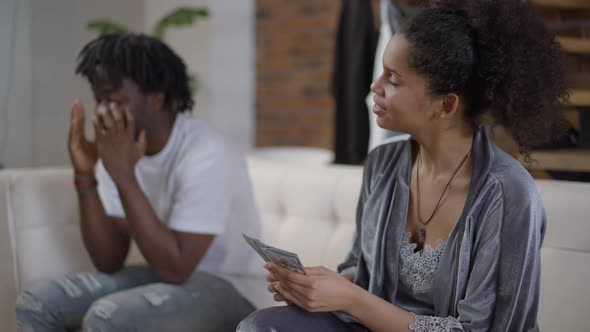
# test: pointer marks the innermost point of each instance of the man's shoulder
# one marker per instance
(201, 146)
(198, 131)
(516, 182)
(199, 139)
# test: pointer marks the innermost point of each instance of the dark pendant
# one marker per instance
(421, 237)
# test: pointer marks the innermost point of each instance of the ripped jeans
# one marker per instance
(133, 299)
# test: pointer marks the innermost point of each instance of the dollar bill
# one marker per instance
(278, 256)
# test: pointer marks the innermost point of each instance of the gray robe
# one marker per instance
(488, 277)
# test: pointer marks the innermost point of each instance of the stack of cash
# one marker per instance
(278, 256)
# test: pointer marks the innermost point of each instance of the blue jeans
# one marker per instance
(133, 299)
(295, 319)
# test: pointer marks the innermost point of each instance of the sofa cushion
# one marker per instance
(568, 212)
(309, 210)
(306, 209)
(565, 295)
(42, 213)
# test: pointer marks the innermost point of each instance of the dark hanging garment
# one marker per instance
(353, 70)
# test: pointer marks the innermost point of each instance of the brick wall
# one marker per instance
(294, 58)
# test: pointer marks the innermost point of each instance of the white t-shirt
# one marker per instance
(198, 183)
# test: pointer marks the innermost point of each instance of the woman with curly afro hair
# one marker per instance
(449, 227)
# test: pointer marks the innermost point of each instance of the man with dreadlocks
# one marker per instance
(158, 177)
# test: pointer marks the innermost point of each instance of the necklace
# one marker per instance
(422, 232)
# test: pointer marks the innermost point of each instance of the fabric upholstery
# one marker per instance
(308, 209)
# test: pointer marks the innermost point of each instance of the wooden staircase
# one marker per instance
(577, 159)
(563, 4)
(568, 160)
(574, 45)
(579, 98)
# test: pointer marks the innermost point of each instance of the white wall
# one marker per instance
(57, 34)
(233, 66)
(221, 51)
(49, 35)
(193, 44)
(37, 81)
(16, 140)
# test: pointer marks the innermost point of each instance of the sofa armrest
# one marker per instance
(8, 277)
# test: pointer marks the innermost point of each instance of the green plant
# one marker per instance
(178, 18)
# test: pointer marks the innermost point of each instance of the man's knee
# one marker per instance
(100, 316)
(37, 308)
(121, 311)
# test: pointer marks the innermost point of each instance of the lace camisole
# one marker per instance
(416, 276)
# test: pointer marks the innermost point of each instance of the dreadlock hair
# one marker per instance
(145, 60)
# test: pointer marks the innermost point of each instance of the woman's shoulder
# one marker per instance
(515, 182)
(388, 152)
(510, 190)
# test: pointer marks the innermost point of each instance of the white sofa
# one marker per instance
(307, 209)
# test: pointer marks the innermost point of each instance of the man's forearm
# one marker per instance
(156, 241)
(106, 245)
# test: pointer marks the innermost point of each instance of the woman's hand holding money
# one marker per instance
(271, 288)
(320, 290)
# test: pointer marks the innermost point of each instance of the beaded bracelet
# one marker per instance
(84, 184)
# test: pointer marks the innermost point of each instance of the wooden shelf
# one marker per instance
(565, 4)
(568, 160)
(579, 98)
(572, 160)
(575, 45)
